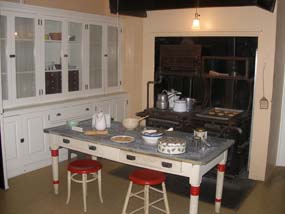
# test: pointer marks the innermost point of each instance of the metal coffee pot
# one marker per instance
(162, 101)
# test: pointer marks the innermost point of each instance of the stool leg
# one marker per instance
(68, 186)
(146, 199)
(100, 185)
(165, 198)
(127, 198)
(84, 187)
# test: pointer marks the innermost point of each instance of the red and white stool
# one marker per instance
(147, 178)
(84, 167)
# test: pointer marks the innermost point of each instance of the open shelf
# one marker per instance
(207, 76)
(184, 73)
(24, 40)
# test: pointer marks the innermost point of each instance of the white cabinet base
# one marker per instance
(26, 147)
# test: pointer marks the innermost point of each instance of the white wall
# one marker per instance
(281, 146)
(231, 21)
(279, 80)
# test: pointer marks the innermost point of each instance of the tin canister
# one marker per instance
(201, 133)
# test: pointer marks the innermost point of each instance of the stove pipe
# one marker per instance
(147, 90)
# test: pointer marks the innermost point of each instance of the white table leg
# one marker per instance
(220, 183)
(195, 181)
(54, 155)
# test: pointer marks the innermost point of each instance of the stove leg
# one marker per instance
(220, 183)
(195, 181)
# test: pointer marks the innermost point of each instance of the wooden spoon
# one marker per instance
(139, 120)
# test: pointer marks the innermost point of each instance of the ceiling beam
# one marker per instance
(139, 8)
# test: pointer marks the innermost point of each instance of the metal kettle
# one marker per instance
(162, 100)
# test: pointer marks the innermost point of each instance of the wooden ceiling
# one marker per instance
(139, 7)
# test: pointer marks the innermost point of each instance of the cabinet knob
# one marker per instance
(12, 55)
(87, 109)
(22, 140)
(65, 55)
(58, 114)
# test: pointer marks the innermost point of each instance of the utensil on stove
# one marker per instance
(172, 96)
(179, 106)
(190, 102)
(162, 101)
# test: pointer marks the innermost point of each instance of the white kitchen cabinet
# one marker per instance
(49, 55)
(14, 147)
(95, 58)
(25, 143)
(34, 139)
(3, 60)
(121, 106)
(113, 77)
(19, 48)
(117, 108)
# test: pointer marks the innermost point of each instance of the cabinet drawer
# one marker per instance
(63, 114)
(149, 161)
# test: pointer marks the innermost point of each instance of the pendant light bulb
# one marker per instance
(196, 22)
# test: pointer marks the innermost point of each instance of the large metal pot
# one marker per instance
(162, 101)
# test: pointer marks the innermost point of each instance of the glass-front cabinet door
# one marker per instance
(95, 60)
(75, 56)
(113, 77)
(53, 56)
(3, 53)
(25, 57)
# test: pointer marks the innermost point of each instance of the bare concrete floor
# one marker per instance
(32, 193)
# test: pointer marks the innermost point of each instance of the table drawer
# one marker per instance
(88, 148)
(149, 161)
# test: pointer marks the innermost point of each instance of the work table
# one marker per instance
(201, 157)
(192, 164)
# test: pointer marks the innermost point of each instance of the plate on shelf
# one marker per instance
(122, 139)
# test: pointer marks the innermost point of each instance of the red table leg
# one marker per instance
(195, 181)
(220, 183)
(54, 155)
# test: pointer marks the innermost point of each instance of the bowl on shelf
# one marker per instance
(55, 36)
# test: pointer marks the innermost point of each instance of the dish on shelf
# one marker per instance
(55, 36)
(71, 38)
(217, 74)
(122, 139)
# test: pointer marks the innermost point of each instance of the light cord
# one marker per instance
(117, 13)
(264, 67)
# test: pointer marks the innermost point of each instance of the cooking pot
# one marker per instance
(179, 106)
(172, 96)
(162, 101)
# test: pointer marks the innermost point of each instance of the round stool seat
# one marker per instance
(84, 166)
(147, 177)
